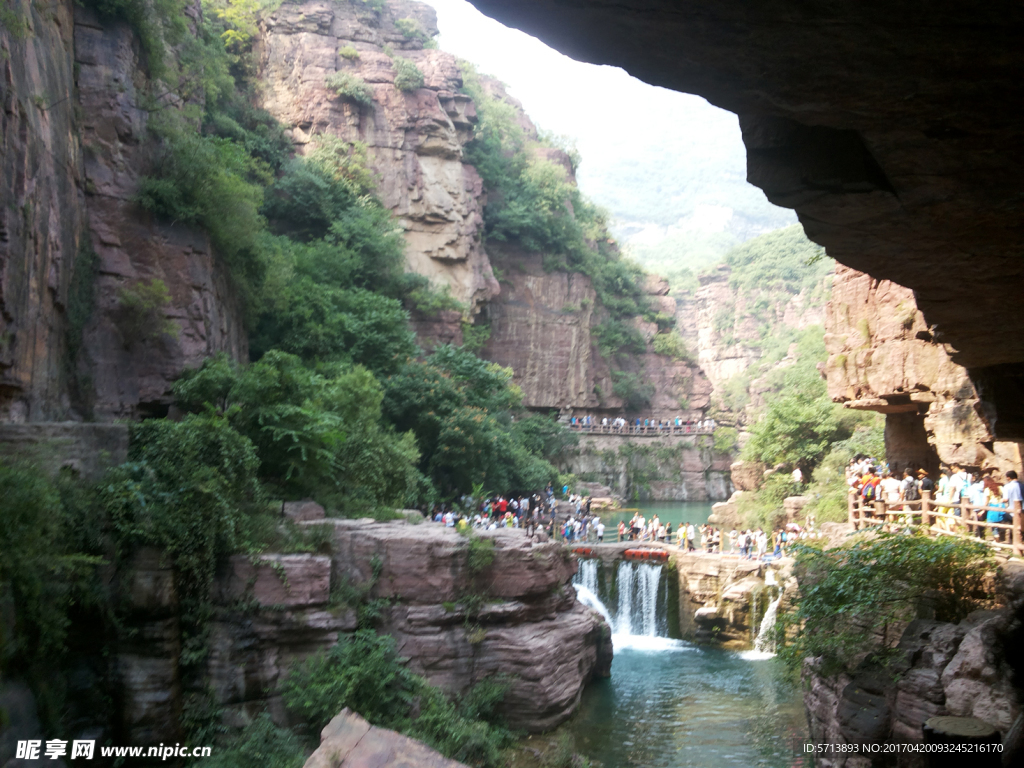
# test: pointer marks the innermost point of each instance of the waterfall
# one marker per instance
(638, 599)
(764, 644)
(636, 621)
(586, 589)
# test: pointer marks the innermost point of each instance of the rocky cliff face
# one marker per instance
(540, 321)
(122, 376)
(541, 326)
(945, 669)
(883, 357)
(75, 145)
(41, 221)
(414, 139)
(726, 326)
(669, 468)
(277, 609)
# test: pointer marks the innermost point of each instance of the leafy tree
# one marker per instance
(190, 489)
(670, 344)
(316, 433)
(350, 86)
(783, 259)
(458, 406)
(320, 323)
(260, 743)
(41, 573)
(209, 181)
(408, 76)
(635, 391)
(829, 489)
(365, 673)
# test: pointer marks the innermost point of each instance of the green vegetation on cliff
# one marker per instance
(336, 403)
(533, 201)
(365, 673)
(857, 599)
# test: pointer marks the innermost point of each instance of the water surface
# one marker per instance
(683, 705)
(674, 512)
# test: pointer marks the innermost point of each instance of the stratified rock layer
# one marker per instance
(414, 138)
(883, 357)
(457, 622)
(529, 626)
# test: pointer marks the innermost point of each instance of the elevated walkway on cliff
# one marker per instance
(634, 430)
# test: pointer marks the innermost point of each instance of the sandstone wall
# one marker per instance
(723, 325)
(75, 145)
(41, 216)
(669, 467)
(274, 610)
(883, 357)
(414, 139)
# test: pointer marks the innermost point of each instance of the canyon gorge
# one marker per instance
(904, 178)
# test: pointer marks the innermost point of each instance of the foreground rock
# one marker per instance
(348, 741)
(517, 616)
(948, 669)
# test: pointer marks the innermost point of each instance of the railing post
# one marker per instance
(965, 509)
(926, 506)
(1015, 532)
(851, 507)
(880, 511)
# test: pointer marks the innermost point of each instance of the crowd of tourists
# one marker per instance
(620, 425)
(749, 544)
(980, 493)
(538, 511)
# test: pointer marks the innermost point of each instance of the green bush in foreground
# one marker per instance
(365, 673)
(261, 744)
(857, 599)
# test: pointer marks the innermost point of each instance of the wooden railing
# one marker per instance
(652, 430)
(939, 518)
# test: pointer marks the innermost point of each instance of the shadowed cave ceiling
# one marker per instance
(894, 129)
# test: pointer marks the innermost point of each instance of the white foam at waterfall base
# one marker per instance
(764, 644)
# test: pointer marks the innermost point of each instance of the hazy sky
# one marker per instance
(624, 128)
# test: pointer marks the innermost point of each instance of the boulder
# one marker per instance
(725, 514)
(348, 741)
(747, 475)
(303, 511)
(794, 505)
